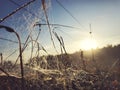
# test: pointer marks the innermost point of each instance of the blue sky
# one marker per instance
(103, 15)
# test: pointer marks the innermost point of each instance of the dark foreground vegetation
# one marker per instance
(66, 72)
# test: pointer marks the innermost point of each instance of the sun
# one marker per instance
(88, 44)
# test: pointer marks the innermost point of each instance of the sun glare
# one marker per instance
(88, 44)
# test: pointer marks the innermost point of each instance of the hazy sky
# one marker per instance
(103, 15)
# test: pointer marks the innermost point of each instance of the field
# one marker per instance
(67, 73)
